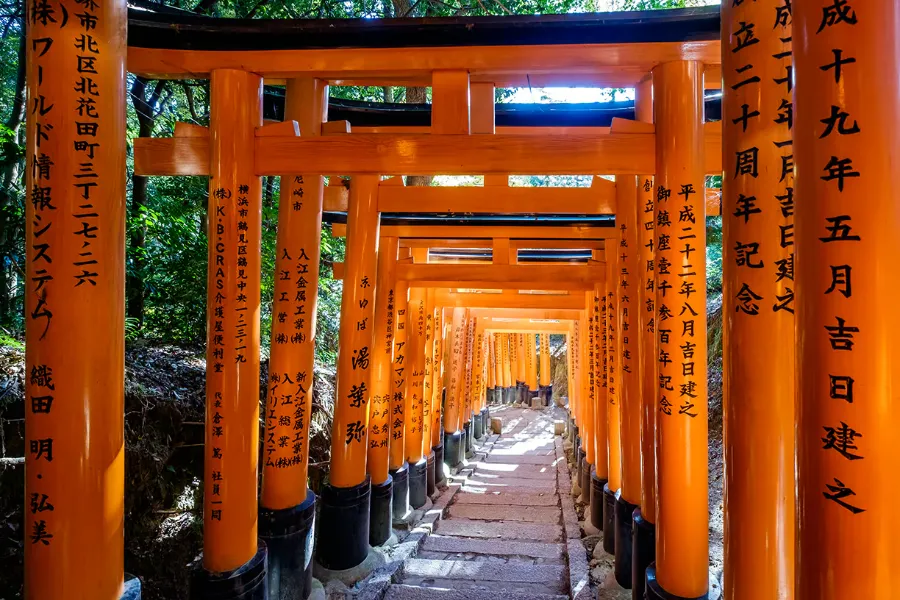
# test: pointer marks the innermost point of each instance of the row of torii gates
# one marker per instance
(810, 352)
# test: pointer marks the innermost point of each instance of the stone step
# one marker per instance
(506, 481)
(548, 476)
(537, 532)
(503, 497)
(529, 514)
(409, 592)
(518, 459)
(501, 576)
(512, 470)
(486, 548)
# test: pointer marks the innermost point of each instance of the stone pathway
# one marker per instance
(504, 534)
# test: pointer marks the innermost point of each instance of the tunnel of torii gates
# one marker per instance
(448, 290)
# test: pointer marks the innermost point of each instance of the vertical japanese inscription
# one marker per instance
(399, 378)
(74, 292)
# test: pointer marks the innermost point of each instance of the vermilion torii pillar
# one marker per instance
(600, 473)
(546, 378)
(477, 381)
(287, 506)
(521, 369)
(630, 390)
(588, 438)
(613, 413)
(344, 511)
(75, 290)
(378, 458)
(570, 391)
(415, 398)
(437, 378)
(758, 306)
(505, 356)
(847, 106)
(399, 380)
(681, 569)
(468, 386)
(230, 545)
(428, 392)
(644, 542)
(514, 376)
(453, 446)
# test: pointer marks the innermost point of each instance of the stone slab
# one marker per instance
(538, 532)
(518, 459)
(508, 498)
(407, 592)
(487, 471)
(456, 545)
(529, 514)
(502, 482)
(479, 571)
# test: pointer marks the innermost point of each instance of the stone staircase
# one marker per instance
(502, 537)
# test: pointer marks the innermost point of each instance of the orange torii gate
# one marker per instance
(653, 497)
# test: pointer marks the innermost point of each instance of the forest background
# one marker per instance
(166, 282)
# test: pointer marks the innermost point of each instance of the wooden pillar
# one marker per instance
(287, 505)
(75, 301)
(600, 475)
(628, 353)
(505, 367)
(453, 406)
(570, 374)
(416, 397)
(546, 378)
(588, 439)
(682, 546)
(378, 460)
(644, 542)
(848, 358)
(514, 376)
(428, 373)
(232, 371)
(646, 282)
(399, 380)
(468, 387)
(415, 391)
(532, 364)
(348, 483)
(292, 345)
(613, 413)
(757, 307)
(437, 378)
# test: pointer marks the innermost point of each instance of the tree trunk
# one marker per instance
(10, 172)
(145, 108)
(416, 95)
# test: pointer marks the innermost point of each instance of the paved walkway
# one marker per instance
(504, 534)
